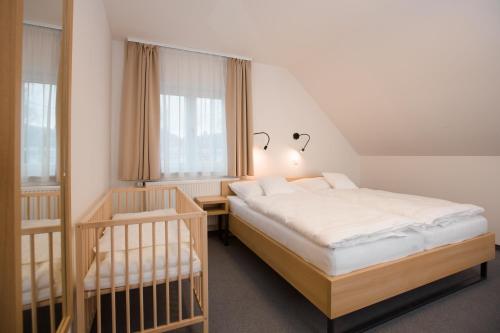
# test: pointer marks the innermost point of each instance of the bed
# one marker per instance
(335, 283)
(145, 242)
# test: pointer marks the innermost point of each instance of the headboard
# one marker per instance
(225, 190)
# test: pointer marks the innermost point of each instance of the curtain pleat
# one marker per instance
(239, 118)
(193, 121)
(140, 117)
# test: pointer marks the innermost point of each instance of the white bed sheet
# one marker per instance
(331, 261)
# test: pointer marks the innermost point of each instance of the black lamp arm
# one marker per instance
(307, 142)
(296, 136)
(268, 138)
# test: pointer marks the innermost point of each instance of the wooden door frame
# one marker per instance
(11, 29)
(65, 153)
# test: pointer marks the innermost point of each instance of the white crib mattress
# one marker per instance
(134, 273)
(331, 261)
(42, 266)
(42, 273)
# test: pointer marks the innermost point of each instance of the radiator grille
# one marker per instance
(35, 206)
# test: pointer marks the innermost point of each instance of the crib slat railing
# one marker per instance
(153, 237)
(191, 300)
(51, 284)
(204, 268)
(141, 284)
(34, 321)
(167, 277)
(179, 270)
(170, 198)
(127, 282)
(113, 296)
(190, 218)
(97, 281)
(85, 242)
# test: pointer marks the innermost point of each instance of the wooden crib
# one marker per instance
(97, 305)
(40, 213)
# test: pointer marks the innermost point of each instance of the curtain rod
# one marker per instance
(43, 25)
(170, 46)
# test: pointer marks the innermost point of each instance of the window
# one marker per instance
(39, 146)
(193, 121)
(39, 92)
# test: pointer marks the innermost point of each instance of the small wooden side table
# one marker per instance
(217, 206)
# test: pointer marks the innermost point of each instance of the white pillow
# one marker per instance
(276, 185)
(339, 181)
(312, 184)
(246, 189)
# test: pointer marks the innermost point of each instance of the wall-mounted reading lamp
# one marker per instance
(296, 136)
(268, 138)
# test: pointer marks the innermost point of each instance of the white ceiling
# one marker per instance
(396, 77)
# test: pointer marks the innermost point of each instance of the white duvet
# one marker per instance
(424, 211)
(328, 221)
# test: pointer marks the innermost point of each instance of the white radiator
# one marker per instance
(42, 207)
(196, 188)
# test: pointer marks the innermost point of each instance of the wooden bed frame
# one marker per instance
(339, 295)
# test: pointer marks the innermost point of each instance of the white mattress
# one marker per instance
(344, 260)
(331, 261)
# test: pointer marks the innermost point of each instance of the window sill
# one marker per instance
(191, 179)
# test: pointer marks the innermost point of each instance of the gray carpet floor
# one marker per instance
(246, 295)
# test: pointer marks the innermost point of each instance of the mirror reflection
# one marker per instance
(42, 226)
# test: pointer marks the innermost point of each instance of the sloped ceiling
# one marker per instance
(396, 77)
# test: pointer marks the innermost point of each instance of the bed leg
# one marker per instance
(484, 270)
(330, 325)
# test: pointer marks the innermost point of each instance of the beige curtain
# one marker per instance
(140, 116)
(239, 118)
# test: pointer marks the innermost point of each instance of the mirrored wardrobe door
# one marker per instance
(44, 122)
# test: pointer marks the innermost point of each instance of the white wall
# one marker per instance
(90, 108)
(469, 179)
(281, 107)
(117, 66)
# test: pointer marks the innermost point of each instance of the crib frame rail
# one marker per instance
(92, 227)
(39, 205)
